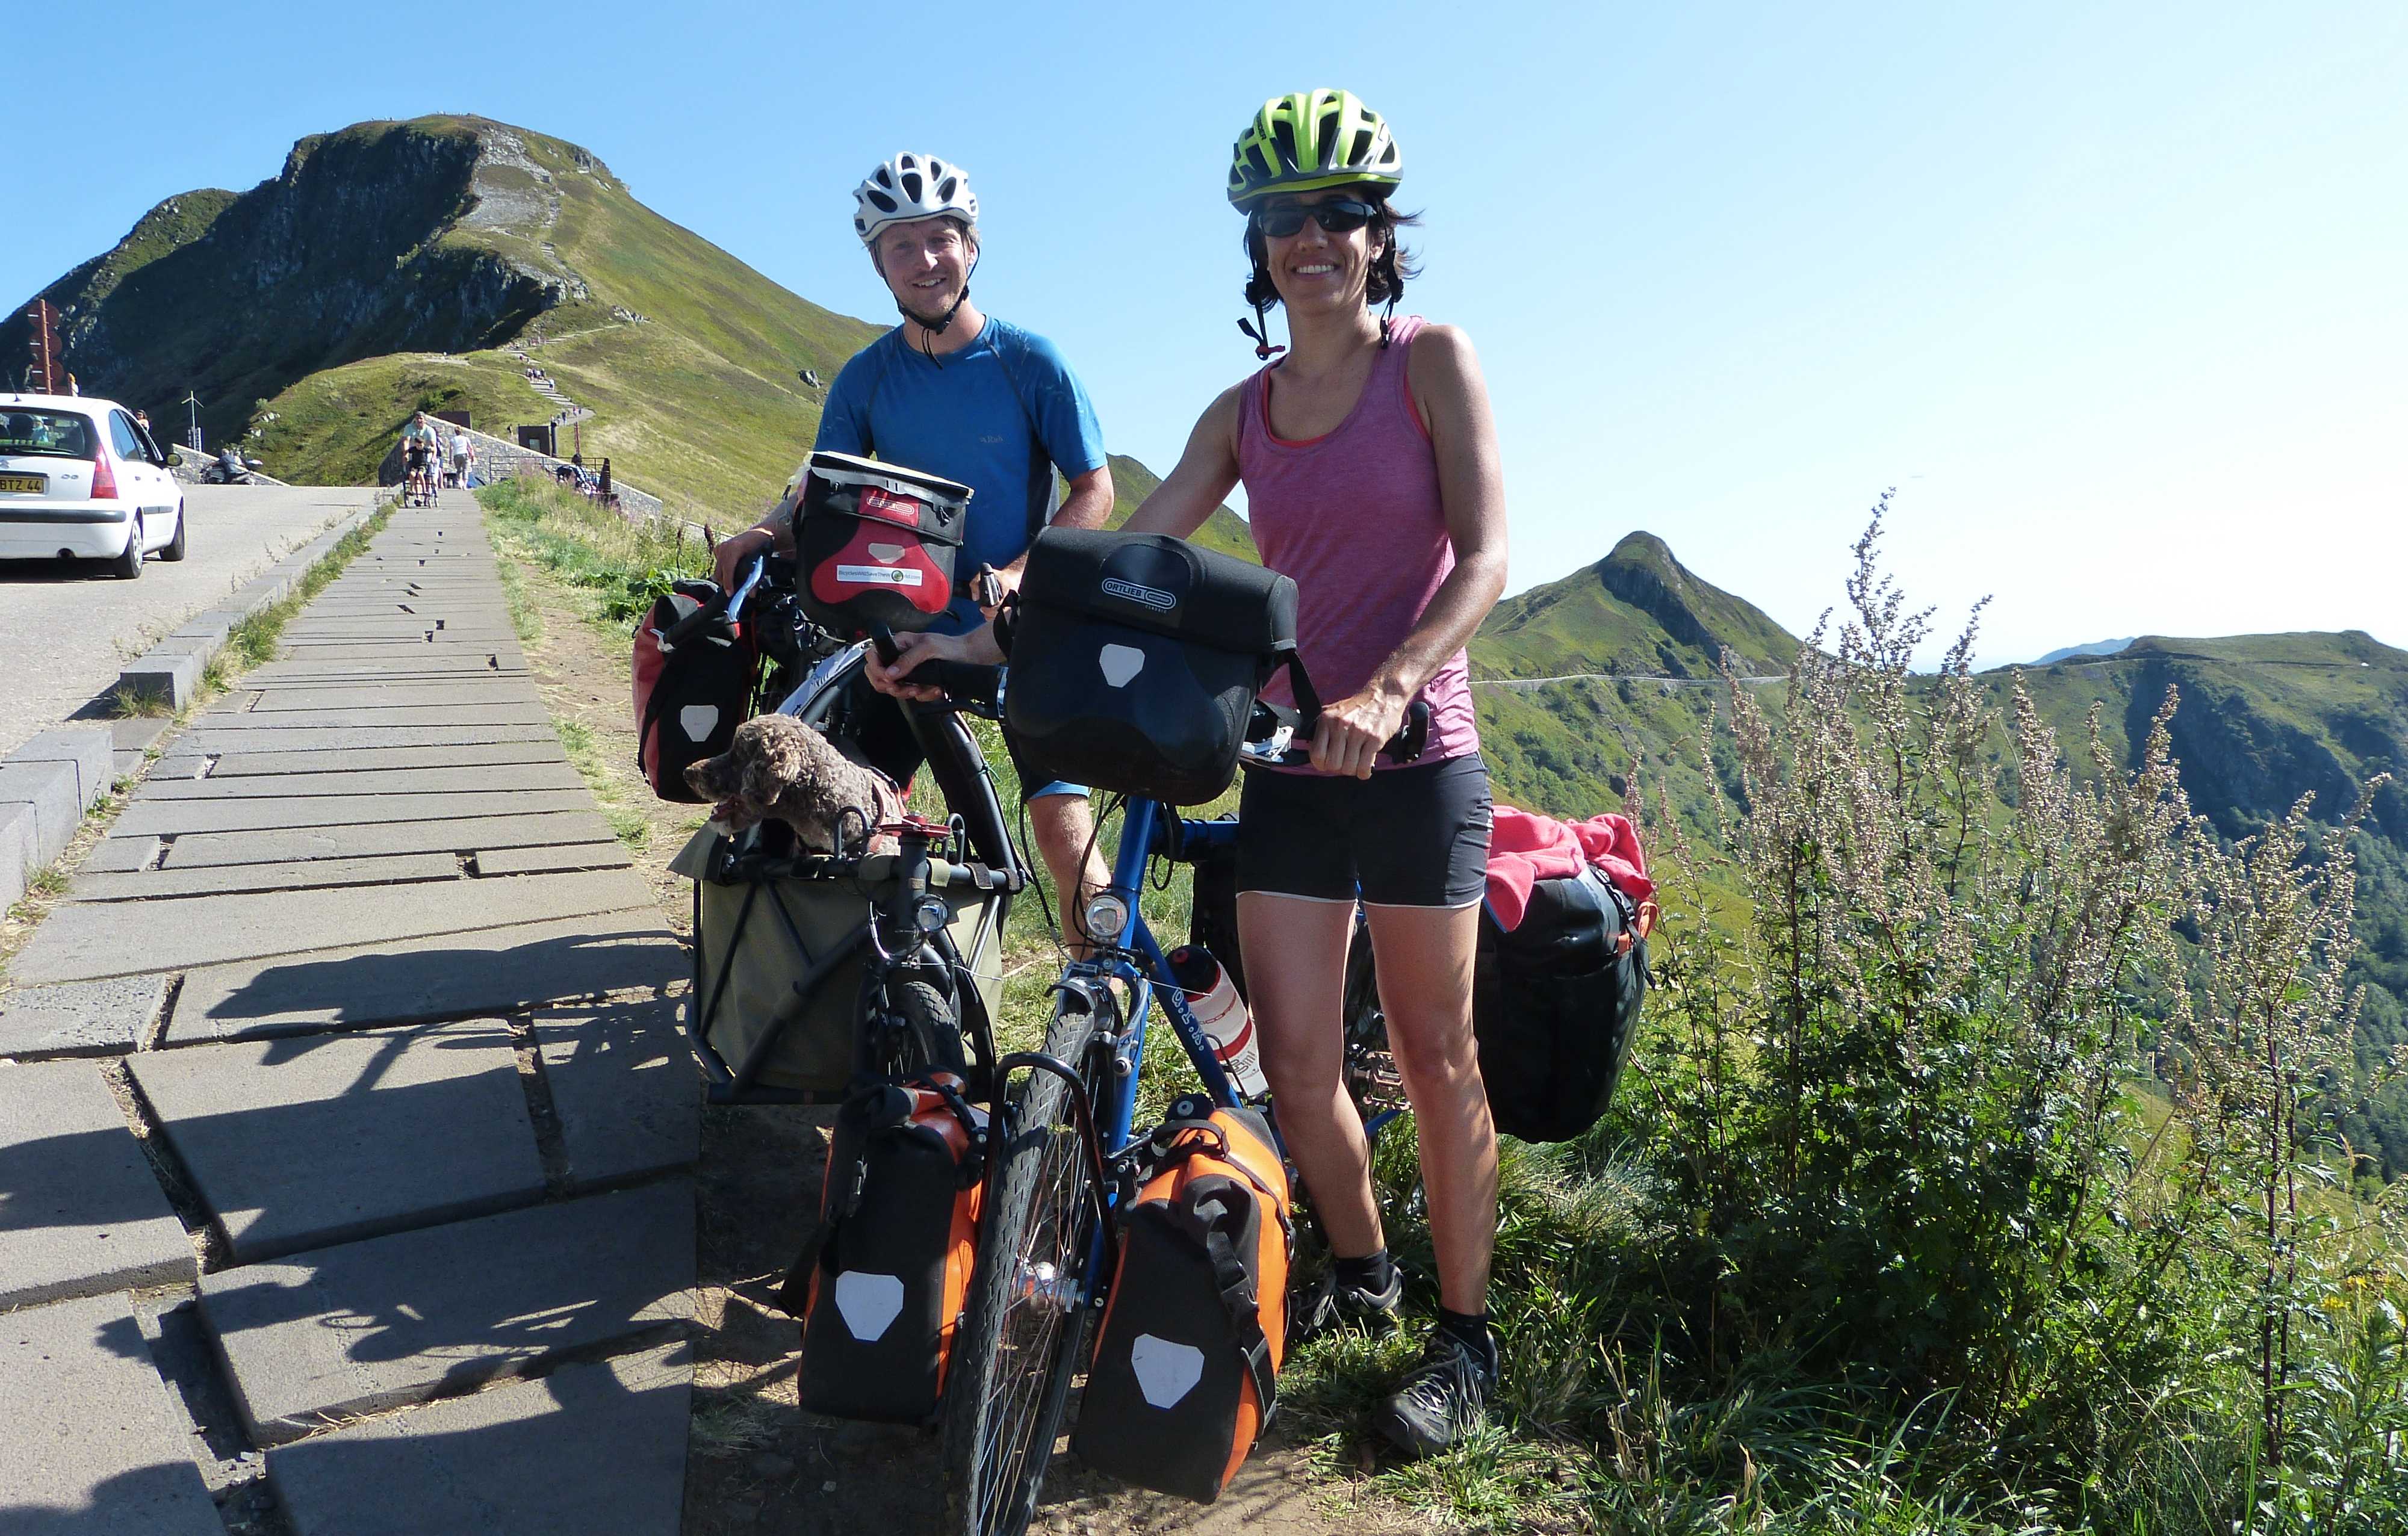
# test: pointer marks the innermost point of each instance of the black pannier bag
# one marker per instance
(1186, 1372)
(692, 692)
(1136, 659)
(882, 1284)
(875, 543)
(1555, 1004)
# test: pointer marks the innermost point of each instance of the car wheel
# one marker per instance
(127, 567)
(175, 550)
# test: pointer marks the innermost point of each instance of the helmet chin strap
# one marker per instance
(931, 329)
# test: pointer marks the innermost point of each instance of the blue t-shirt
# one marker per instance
(1001, 415)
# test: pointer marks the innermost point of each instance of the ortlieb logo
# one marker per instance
(1153, 597)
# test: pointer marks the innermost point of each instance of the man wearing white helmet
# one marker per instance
(976, 399)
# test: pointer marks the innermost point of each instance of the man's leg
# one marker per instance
(1063, 826)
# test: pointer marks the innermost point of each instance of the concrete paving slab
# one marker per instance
(304, 1143)
(525, 861)
(310, 874)
(417, 667)
(292, 700)
(457, 835)
(373, 1326)
(626, 1088)
(244, 765)
(84, 940)
(93, 1447)
(184, 816)
(86, 749)
(116, 855)
(492, 970)
(277, 740)
(80, 1210)
(79, 1018)
(137, 732)
(476, 778)
(49, 790)
(451, 716)
(592, 1447)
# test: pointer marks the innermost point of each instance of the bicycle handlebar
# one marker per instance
(967, 685)
(730, 607)
(1273, 746)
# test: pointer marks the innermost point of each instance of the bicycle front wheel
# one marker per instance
(1026, 1329)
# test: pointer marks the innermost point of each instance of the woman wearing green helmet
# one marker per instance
(1371, 472)
(1370, 466)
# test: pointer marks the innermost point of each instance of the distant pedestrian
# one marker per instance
(606, 479)
(74, 388)
(463, 452)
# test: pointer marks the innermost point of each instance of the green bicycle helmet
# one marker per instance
(1311, 139)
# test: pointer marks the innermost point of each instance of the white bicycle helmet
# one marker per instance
(907, 187)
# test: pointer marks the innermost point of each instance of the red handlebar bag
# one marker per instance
(876, 544)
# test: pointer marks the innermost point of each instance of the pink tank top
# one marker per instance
(1353, 517)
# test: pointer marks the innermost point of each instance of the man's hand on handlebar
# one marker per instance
(977, 649)
(728, 560)
(1354, 729)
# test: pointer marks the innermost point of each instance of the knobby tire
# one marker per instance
(1018, 1348)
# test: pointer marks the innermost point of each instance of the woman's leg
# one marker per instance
(1425, 955)
(1295, 979)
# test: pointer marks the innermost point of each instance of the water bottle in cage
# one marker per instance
(1213, 997)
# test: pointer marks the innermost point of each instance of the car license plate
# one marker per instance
(32, 486)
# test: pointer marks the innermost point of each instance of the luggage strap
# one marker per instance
(1238, 1298)
(818, 1249)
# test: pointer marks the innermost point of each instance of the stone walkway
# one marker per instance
(343, 1118)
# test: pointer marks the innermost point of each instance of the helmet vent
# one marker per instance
(1284, 140)
(886, 203)
(945, 189)
(911, 185)
(883, 178)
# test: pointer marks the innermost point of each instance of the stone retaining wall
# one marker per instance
(499, 459)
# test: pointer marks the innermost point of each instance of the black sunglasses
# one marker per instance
(1338, 216)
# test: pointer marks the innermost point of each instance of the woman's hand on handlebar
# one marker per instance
(728, 559)
(977, 648)
(1354, 729)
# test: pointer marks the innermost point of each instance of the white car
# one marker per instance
(80, 479)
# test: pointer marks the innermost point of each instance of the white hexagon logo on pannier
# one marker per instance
(1166, 1372)
(869, 1302)
(1120, 663)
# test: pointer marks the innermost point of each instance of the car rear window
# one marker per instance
(54, 434)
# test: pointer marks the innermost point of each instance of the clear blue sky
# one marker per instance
(2113, 294)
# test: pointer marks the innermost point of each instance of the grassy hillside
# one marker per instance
(1638, 611)
(1225, 530)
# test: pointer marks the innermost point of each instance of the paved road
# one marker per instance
(78, 626)
(365, 966)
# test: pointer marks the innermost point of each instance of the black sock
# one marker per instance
(1471, 1329)
(1372, 1272)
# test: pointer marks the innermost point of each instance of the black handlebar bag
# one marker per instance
(1136, 659)
(690, 692)
(876, 544)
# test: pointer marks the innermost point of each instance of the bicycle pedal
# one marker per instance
(1372, 1076)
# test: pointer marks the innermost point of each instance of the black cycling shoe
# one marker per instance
(1332, 1302)
(1442, 1398)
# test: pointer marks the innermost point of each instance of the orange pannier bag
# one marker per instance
(1186, 1367)
(882, 1286)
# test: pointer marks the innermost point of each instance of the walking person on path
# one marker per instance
(1370, 460)
(960, 394)
(464, 453)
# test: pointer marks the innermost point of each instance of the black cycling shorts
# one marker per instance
(1408, 836)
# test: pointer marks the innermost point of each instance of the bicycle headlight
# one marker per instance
(932, 914)
(1105, 917)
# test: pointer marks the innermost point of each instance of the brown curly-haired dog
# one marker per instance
(777, 766)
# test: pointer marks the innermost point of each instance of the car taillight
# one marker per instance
(104, 477)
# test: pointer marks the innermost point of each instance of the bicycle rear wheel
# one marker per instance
(1027, 1321)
